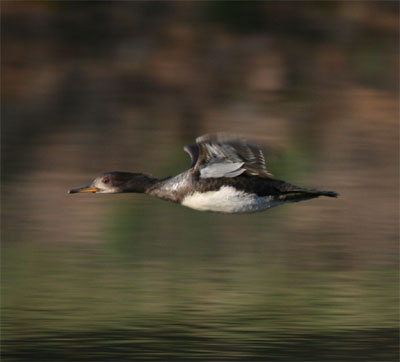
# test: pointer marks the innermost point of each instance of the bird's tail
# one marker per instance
(299, 194)
(324, 193)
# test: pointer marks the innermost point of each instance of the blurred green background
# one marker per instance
(89, 87)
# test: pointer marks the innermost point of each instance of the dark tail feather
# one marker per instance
(300, 195)
(326, 193)
(294, 193)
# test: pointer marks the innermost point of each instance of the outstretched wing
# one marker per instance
(224, 155)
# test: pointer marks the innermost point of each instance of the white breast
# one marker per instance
(228, 199)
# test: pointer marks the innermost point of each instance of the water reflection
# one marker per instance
(104, 302)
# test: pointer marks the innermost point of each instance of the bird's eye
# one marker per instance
(106, 180)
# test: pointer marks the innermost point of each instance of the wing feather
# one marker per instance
(193, 151)
(224, 155)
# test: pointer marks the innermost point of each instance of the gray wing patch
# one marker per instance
(220, 168)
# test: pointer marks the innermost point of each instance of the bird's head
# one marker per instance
(116, 182)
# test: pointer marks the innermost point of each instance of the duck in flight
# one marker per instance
(227, 174)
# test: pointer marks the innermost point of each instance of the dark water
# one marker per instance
(89, 87)
(184, 285)
(97, 303)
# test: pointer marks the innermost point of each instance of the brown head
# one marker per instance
(117, 182)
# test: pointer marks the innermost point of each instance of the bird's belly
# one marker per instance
(229, 200)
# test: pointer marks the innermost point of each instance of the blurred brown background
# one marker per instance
(89, 87)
